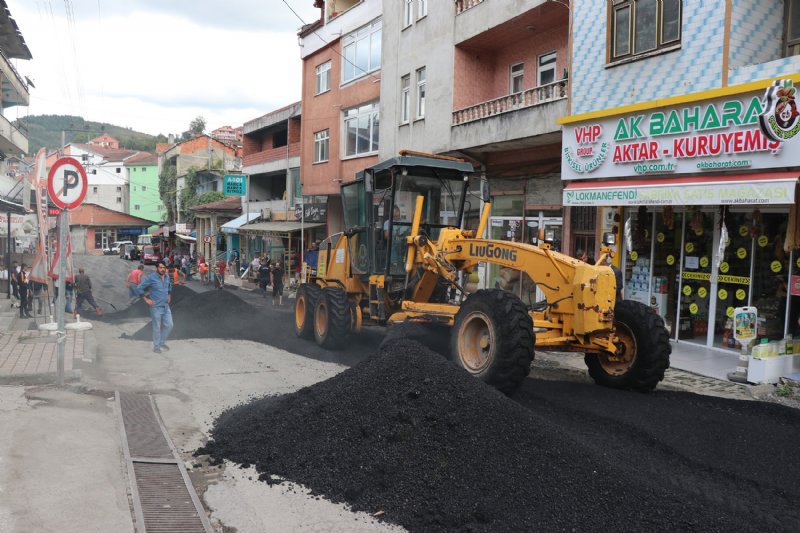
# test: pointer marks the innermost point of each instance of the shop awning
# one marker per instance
(233, 225)
(769, 188)
(186, 238)
(277, 228)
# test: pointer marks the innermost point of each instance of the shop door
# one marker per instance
(697, 290)
(733, 279)
(664, 295)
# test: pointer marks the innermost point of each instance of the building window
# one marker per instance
(321, 146)
(792, 30)
(408, 13)
(119, 189)
(324, 77)
(119, 170)
(136, 207)
(144, 188)
(362, 51)
(423, 8)
(405, 98)
(94, 190)
(143, 169)
(361, 126)
(517, 78)
(547, 68)
(421, 93)
(119, 200)
(641, 26)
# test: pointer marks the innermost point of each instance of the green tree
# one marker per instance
(167, 189)
(198, 125)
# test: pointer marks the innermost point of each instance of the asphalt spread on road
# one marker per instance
(408, 433)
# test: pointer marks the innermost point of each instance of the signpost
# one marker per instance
(66, 185)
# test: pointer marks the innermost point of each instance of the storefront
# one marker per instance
(700, 195)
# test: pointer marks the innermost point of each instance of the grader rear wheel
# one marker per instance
(493, 339)
(643, 350)
(332, 318)
(307, 296)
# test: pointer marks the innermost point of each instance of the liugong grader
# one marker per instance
(386, 269)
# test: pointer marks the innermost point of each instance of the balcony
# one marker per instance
(463, 5)
(12, 140)
(512, 102)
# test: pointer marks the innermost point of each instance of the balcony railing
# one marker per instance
(512, 102)
(463, 5)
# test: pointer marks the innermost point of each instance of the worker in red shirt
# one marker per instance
(220, 277)
(134, 279)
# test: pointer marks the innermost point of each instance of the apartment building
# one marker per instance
(484, 80)
(341, 91)
(682, 139)
(105, 168)
(144, 197)
(13, 141)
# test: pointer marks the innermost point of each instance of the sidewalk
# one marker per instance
(30, 356)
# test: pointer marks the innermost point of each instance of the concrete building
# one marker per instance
(484, 80)
(94, 228)
(105, 168)
(228, 134)
(209, 158)
(145, 199)
(682, 138)
(341, 55)
(272, 162)
(13, 141)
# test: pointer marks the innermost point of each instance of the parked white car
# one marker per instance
(115, 246)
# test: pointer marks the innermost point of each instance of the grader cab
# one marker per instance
(404, 257)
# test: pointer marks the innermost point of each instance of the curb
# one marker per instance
(46, 378)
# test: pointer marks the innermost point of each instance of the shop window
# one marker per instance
(666, 267)
(642, 26)
(771, 276)
(696, 291)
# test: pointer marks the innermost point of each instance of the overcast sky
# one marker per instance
(155, 65)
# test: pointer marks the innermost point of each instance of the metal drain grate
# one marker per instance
(163, 497)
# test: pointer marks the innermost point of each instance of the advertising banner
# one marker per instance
(740, 133)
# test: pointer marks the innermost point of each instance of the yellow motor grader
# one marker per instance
(404, 258)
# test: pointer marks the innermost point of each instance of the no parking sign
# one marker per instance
(67, 183)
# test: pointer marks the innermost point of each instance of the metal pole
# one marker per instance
(8, 251)
(62, 297)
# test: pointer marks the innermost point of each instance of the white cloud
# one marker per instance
(154, 65)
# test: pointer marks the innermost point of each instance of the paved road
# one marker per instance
(61, 454)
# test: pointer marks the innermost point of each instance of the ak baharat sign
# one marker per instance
(751, 131)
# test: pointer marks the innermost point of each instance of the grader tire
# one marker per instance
(307, 296)
(493, 339)
(643, 350)
(332, 318)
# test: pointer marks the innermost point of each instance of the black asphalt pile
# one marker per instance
(221, 314)
(141, 310)
(408, 433)
(207, 315)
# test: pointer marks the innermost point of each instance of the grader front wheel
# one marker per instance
(307, 296)
(643, 350)
(493, 339)
(332, 318)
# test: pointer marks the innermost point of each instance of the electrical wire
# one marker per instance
(337, 52)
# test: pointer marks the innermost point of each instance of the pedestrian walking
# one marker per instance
(134, 279)
(263, 277)
(15, 280)
(202, 268)
(83, 286)
(22, 287)
(156, 290)
(220, 274)
(277, 283)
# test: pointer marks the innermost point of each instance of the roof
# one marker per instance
(232, 203)
(12, 43)
(233, 225)
(142, 158)
(109, 154)
(277, 227)
(7, 206)
(97, 215)
(422, 161)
